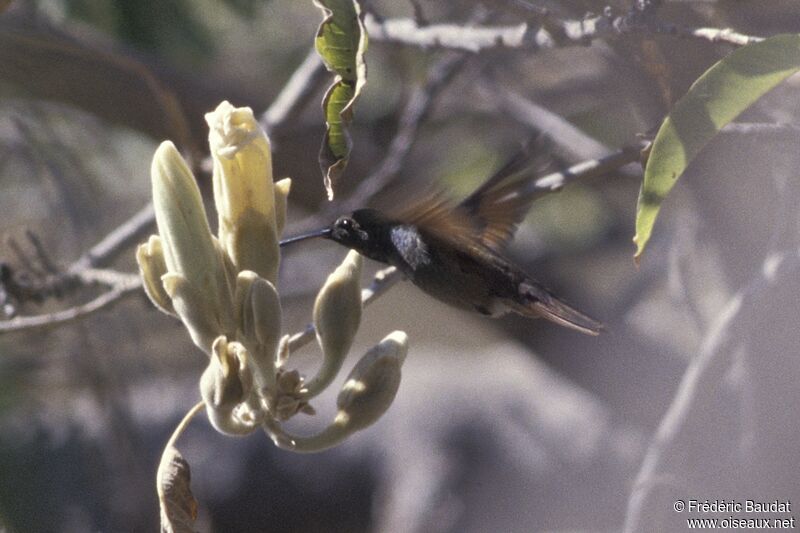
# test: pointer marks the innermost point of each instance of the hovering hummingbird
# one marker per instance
(453, 251)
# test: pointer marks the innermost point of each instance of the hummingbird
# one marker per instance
(454, 251)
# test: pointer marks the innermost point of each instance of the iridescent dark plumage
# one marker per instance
(454, 251)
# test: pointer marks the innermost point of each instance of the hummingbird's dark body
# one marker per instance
(453, 251)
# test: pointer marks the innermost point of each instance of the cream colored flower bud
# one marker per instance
(243, 189)
(150, 258)
(181, 217)
(372, 384)
(197, 312)
(195, 269)
(260, 322)
(225, 384)
(366, 395)
(337, 315)
(282, 189)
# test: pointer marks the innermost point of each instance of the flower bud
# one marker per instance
(260, 322)
(337, 315)
(366, 395)
(225, 384)
(195, 269)
(243, 189)
(282, 189)
(150, 258)
(372, 384)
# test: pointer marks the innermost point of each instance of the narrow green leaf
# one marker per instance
(341, 42)
(721, 94)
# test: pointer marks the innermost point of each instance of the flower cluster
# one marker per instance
(223, 288)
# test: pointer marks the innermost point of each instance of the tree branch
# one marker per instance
(120, 284)
(552, 34)
(296, 93)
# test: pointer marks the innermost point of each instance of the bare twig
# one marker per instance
(120, 238)
(121, 284)
(585, 170)
(455, 37)
(296, 93)
(714, 35)
(570, 32)
(570, 139)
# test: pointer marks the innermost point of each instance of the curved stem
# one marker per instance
(181, 427)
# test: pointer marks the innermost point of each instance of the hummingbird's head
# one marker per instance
(363, 230)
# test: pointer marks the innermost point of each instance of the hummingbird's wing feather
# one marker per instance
(539, 302)
(487, 218)
(438, 214)
(520, 161)
(498, 206)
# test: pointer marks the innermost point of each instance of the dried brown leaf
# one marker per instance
(178, 506)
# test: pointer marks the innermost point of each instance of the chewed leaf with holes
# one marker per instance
(722, 93)
(341, 42)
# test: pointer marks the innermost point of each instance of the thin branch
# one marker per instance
(120, 238)
(714, 35)
(455, 37)
(567, 32)
(123, 285)
(585, 170)
(757, 128)
(296, 93)
(571, 140)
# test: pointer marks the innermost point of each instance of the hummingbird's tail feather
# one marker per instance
(539, 302)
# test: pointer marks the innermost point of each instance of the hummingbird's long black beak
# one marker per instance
(324, 232)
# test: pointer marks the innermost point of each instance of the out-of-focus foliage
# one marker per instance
(720, 95)
(178, 28)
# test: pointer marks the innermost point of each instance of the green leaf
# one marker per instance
(341, 42)
(721, 94)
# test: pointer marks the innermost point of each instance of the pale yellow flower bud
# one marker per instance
(366, 394)
(260, 322)
(282, 189)
(150, 258)
(372, 384)
(337, 315)
(243, 190)
(225, 384)
(196, 278)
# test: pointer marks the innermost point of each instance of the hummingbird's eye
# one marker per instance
(347, 224)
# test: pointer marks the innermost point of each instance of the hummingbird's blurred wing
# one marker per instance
(498, 206)
(487, 218)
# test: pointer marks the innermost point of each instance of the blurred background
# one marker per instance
(499, 425)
